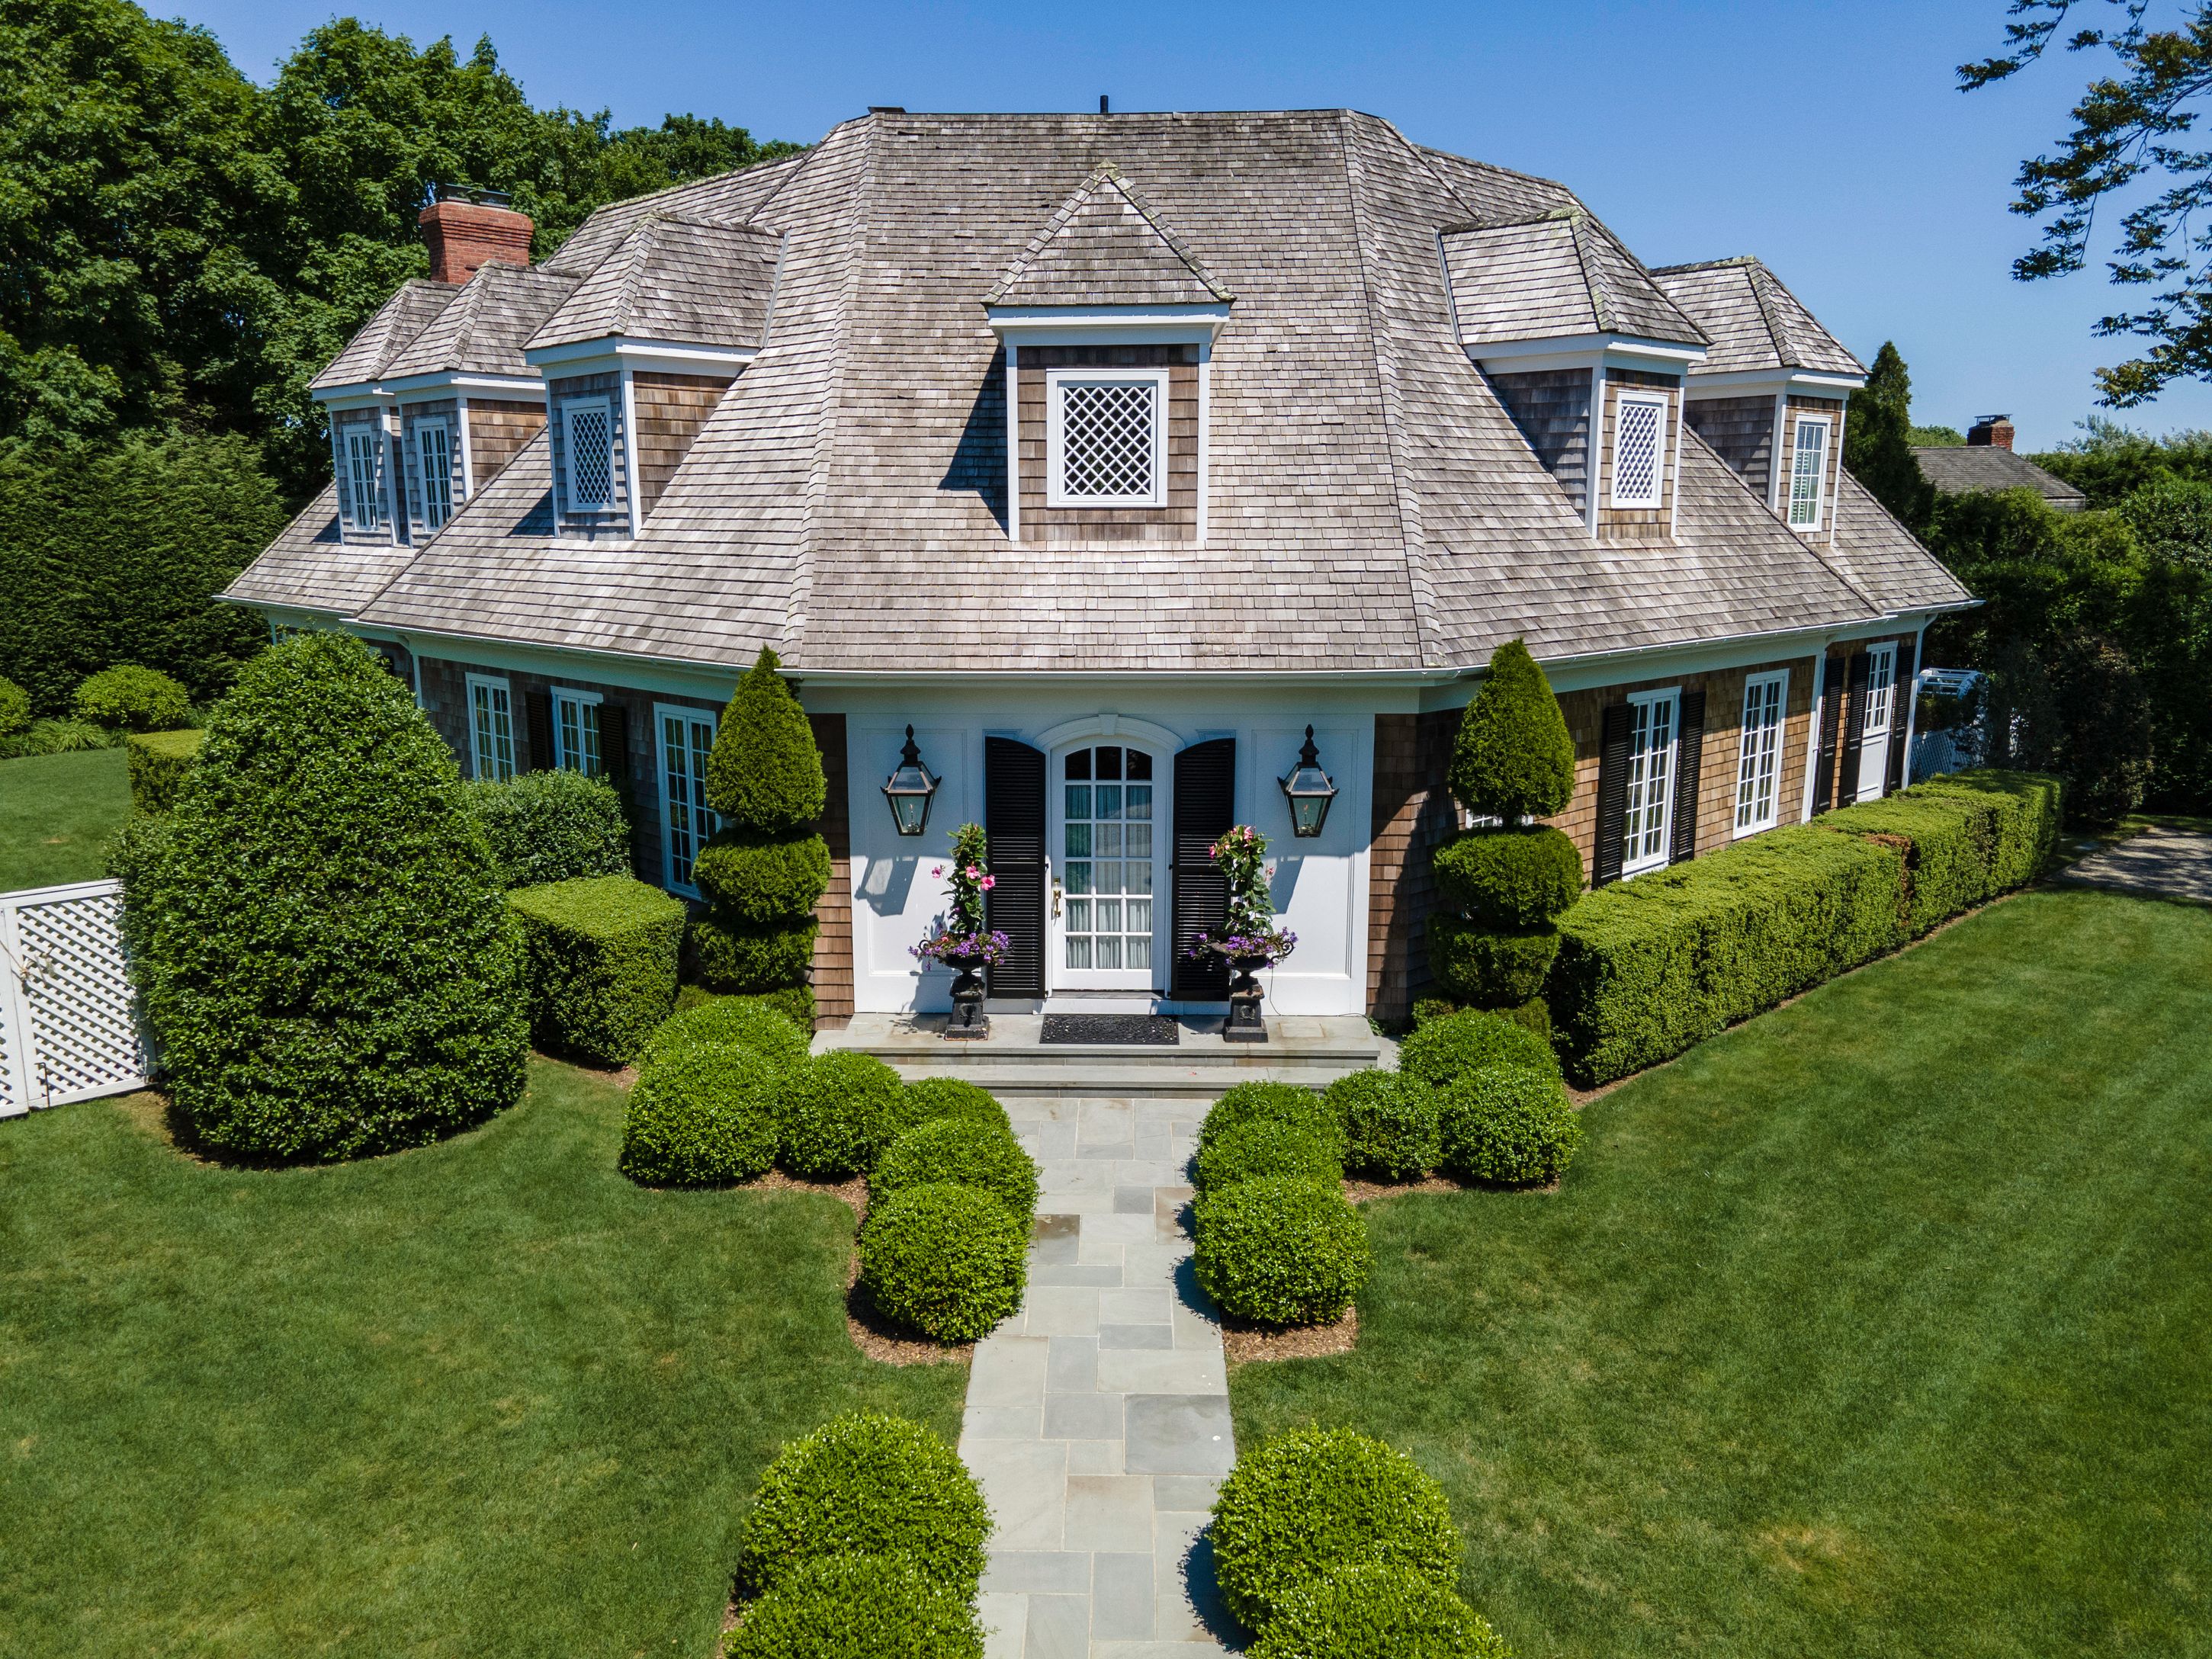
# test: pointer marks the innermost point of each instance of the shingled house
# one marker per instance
(1111, 453)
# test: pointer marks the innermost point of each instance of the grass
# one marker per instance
(486, 1398)
(1874, 1328)
(56, 812)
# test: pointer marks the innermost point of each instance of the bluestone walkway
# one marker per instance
(1097, 1418)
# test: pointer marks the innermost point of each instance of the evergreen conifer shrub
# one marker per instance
(1514, 757)
(15, 708)
(1502, 967)
(762, 881)
(331, 970)
(1516, 877)
(765, 774)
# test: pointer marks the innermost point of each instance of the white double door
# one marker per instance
(1107, 923)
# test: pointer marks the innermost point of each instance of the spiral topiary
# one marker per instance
(1508, 1124)
(1378, 1610)
(1513, 757)
(734, 957)
(835, 1115)
(1495, 968)
(1452, 1045)
(926, 1099)
(982, 1154)
(759, 880)
(764, 774)
(858, 1607)
(1281, 1251)
(701, 1114)
(948, 1262)
(1265, 1150)
(1510, 877)
(1272, 1103)
(1390, 1121)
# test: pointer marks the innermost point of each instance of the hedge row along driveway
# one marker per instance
(487, 1398)
(1874, 1328)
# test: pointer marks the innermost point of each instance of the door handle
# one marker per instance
(1055, 895)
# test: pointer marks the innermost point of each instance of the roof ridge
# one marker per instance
(639, 244)
(1600, 294)
(1785, 355)
(1104, 175)
(1705, 265)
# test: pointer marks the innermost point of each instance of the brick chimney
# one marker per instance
(468, 229)
(1991, 431)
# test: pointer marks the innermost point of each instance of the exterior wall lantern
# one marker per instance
(1309, 791)
(909, 790)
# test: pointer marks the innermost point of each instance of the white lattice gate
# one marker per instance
(67, 1027)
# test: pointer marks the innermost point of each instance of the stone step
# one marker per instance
(1012, 1081)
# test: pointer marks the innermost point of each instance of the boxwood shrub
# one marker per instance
(1390, 1120)
(1378, 1610)
(1508, 1124)
(948, 1262)
(1491, 968)
(1281, 1251)
(601, 953)
(1312, 1502)
(1970, 838)
(702, 1116)
(755, 1024)
(758, 880)
(2030, 808)
(1512, 877)
(1265, 1150)
(133, 699)
(858, 1607)
(794, 1002)
(966, 1152)
(927, 1099)
(866, 1483)
(158, 763)
(836, 1114)
(15, 708)
(552, 826)
(1272, 1103)
(729, 957)
(1452, 1045)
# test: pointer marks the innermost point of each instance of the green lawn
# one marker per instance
(56, 812)
(487, 1398)
(1882, 1326)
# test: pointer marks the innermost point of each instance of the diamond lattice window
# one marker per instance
(591, 455)
(1636, 454)
(1108, 445)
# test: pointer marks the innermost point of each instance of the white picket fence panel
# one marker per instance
(68, 1029)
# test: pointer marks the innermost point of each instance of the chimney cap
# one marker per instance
(1103, 109)
(1989, 420)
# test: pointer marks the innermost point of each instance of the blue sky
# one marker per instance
(1826, 139)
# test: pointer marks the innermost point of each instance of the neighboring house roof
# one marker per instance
(1106, 245)
(1550, 277)
(384, 336)
(1752, 320)
(482, 331)
(674, 278)
(1962, 468)
(1371, 504)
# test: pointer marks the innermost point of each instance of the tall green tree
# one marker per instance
(1878, 439)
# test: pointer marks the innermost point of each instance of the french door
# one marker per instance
(1880, 718)
(1107, 924)
(687, 738)
(1648, 828)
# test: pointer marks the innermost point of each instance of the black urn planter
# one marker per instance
(1245, 1024)
(969, 1021)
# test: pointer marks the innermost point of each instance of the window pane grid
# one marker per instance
(685, 742)
(494, 731)
(591, 456)
(361, 447)
(1106, 864)
(1636, 454)
(1881, 676)
(1758, 773)
(435, 456)
(576, 733)
(1808, 472)
(1650, 781)
(1106, 439)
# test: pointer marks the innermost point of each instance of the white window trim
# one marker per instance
(1657, 499)
(1798, 423)
(1753, 684)
(489, 683)
(349, 497)
(569, 408)
(661, 712)
(1880, 653)
(582, 699)
(1659, 860)
(1055, 380)
(424, 423)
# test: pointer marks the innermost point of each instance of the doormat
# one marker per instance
(1149, 1030)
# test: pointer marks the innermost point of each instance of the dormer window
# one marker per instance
(588, 438)
(1106, 439)
(363, 456)
(1808, 473)
(433, 454)
(1639, 453)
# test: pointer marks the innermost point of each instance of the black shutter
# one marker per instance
(613, 765)
(538, 709)
(1832, 735)
(1013, 819)
(1688, 757)
(1611, 796)
(1900, 712)
(1205, 806)
(1861, 669)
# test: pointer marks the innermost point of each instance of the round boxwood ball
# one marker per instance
(136, 699)
(984, 1156)
(1516, 877)
(1312, 1502)
(948, 1262)
(1449, 1047)
(866, 1483)
(1492, 968)
(836, 1114)
(736, 1022)
(858, 1607)
(1281, 1251)
(1509, 1124)
(702, 1116)
(1272, 1103)
(729, 957)
(1265, 1150)
(762, 881)
(1391, 1123)
(926, 1099)
(1378, 1610)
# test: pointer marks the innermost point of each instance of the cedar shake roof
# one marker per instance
(1551, 277)
(381, 338)
(1753, 321)
(672, 278)
(1106, 245)
(1962, 469)
(482, 331)
(1371, 505)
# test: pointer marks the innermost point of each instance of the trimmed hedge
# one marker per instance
(1313, 1501)
(866, 1483)
(601, 953)
(1281, 1251)
(15, 708)
(1449, 1047)
(755, 1024)
(1972, 835)
(133, 699)
(1379, 1611)
(1508, 1124)
(759, 882)
(966, 1152)
(1490, 967)
(552, 826)
(1390, 1120)
(754, 959)
(159, 762)
(948, 1262)
(836, 1114)
(858, 1607)
(702, 1115)
(1516, 877)
(1272, 1103)
(926, 1100)
(1265, 1150)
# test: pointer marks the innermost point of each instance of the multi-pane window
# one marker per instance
(1106, 439)
(1758, 771)
(1651, 729)
(433, 454)
(1106, 830)
(363, 452)
(1639, 445)
(687, 738)
(491, 728)
(1881, 690)
(1808, 474)
(576, 733)
(588, 433)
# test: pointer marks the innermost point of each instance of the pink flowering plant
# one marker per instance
(965, 935)
(1249, 929)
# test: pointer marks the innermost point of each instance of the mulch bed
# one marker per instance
(1246, 1344)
